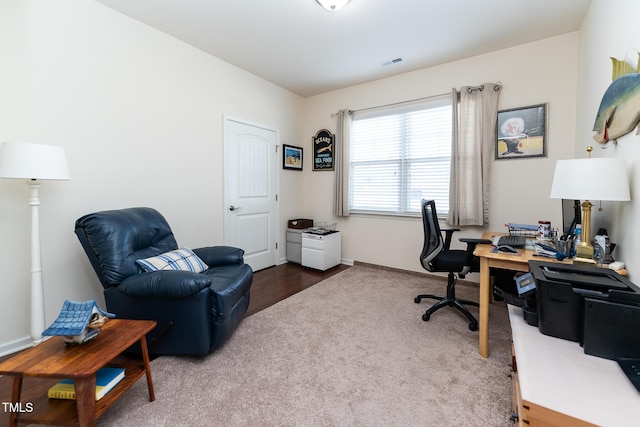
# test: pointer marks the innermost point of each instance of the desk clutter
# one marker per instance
(548, 242)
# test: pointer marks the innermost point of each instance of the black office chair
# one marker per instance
(437, 256)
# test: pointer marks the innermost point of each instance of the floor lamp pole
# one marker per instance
(37, 288)
(35, 163)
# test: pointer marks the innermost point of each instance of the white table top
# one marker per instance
(557, 374)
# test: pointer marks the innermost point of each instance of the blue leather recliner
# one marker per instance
(195, 312)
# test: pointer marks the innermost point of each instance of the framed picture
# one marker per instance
(323, 145)
(522, 132)
(291, 157)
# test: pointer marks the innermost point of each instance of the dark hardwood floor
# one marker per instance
(270, 286)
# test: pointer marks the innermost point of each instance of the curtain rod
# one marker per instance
(497, 86)
(393, 103)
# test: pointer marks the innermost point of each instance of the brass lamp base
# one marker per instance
(584, 250)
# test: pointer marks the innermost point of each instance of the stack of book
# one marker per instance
(106, 379)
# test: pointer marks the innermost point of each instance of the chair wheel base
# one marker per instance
(473, 326)
(426, 317)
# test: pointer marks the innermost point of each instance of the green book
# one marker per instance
(106, 379)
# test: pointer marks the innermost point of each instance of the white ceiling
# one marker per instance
(301, 47)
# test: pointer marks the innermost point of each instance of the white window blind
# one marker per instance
(399, 155)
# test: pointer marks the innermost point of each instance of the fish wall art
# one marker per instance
(619, 111)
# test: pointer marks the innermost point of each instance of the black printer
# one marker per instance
(594, 306)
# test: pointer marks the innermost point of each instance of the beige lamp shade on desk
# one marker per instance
(590, 179)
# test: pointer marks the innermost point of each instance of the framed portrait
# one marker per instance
(291, 157)
(522, 132)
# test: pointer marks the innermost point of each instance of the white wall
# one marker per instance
(139, 114)
(610, 29)
(535, 73)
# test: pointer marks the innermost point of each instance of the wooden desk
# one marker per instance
(490, 260)
(54, 359)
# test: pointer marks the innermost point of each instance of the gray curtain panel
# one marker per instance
(475, 115)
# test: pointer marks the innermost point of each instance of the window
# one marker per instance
(400, 155)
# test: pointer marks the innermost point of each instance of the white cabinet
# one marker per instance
(294, 245)
(321, 251)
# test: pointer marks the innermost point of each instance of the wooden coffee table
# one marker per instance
(55, 359)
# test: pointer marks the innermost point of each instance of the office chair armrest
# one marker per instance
(475, 241)
(471, 246)
(448, 235)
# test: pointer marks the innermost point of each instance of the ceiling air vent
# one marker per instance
(391, 62)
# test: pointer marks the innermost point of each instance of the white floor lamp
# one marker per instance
(34, 162)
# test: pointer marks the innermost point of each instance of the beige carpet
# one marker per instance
(349, 351)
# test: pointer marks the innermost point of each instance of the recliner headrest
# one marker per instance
(113, 240)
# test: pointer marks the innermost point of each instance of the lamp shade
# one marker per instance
(33, 161)
(591, 179)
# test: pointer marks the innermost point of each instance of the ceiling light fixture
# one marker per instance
(333, 5)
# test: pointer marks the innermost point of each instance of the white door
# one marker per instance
(250, 191)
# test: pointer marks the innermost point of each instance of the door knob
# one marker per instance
(234, 208)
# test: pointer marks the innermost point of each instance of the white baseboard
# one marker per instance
(15, 346)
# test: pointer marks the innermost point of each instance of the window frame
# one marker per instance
(404, 207)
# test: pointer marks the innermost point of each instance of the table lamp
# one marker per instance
(34, 162)
(590, 179)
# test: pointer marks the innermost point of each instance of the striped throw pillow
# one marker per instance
(179, 259)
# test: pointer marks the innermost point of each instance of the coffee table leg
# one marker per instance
(147, 368)
(86, 400)
(485, 295)
(15, 398)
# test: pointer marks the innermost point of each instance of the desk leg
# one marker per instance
(86, 400)
(485, 295)
(15, 398)
(147, 368)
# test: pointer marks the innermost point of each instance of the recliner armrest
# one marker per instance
(220, 255)
(170, 284)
